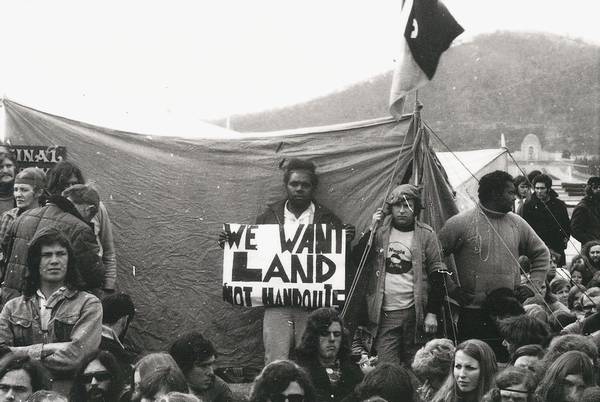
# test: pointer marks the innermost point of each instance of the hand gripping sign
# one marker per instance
(290, 265)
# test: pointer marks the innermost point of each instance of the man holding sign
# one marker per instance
(283, 325)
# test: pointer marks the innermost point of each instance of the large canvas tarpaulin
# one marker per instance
(168, 198)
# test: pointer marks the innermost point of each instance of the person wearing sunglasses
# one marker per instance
(325, 354)
(100, 379)
(282, 381)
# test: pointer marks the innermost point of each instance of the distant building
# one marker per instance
(532, 151)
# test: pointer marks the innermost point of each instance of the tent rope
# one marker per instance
(515, 259)
(369, 244)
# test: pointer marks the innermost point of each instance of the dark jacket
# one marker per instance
(585, 221)
(62, 214)
(350, 378)
(274, 214)
(545, 221)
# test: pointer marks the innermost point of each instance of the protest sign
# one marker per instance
(290, 265)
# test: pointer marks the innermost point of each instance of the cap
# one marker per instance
(403, 191)
(33, 176)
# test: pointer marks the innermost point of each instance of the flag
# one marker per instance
(429, 29)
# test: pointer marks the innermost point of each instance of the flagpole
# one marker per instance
(416, 127)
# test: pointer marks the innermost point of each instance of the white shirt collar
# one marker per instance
(307, 217)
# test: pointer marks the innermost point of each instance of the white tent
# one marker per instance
(465, 168)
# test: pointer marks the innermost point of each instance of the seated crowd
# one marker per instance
(63, 324)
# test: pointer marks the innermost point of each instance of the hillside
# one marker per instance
(511, 83)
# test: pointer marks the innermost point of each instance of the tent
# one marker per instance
(169, 196)
(465, 168)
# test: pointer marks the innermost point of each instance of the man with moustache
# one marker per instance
(8, 160)
(100, 379)
(486, 242)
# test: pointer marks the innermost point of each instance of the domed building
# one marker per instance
(532, 151)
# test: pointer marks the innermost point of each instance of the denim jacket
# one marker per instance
(75, 324)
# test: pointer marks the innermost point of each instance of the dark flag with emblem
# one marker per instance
(429, 29)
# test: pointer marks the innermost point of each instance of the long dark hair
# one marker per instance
(389, 381)
(59, 175)
(39, 376)
(276, 377)
(480, 351)
(572, 362)
(109, 361)
(45, 237)
(319, 321)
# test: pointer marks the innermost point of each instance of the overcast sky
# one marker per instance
(164, 66)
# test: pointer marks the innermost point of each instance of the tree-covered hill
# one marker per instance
(511, 83)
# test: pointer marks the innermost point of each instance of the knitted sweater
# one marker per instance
(486, 245)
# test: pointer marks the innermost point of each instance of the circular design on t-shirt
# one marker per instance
(399, 259)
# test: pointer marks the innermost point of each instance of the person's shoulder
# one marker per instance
(461, 217)
(220, 385)
(10, 214)
(83, 297)
(15, 303)
(425, 227)
(269, 211)
(326, 213)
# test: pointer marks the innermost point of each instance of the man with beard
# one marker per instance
(548, 216)
(585, 221)
(486, 242)
(8, 161)
(196, 356)
(591, 256)
(99, 379)
(324, 353)
(403, 296)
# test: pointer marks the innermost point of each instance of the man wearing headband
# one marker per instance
(403, 297)
(585, 221)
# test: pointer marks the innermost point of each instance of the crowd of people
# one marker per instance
(486, 309)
